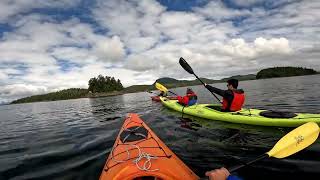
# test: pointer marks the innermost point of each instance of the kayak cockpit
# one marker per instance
(277, 114)
(214, 107)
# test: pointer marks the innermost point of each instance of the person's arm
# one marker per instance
(221, 174)
(228, 94)
(216, 90)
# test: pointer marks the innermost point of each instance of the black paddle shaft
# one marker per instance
(173, 93)
(248, 163)
(188, 68)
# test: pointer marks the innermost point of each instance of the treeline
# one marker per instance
(284, 72)
(104, 84)
(98, 84)
(59, 95)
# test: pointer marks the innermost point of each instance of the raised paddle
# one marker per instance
(296, 140)
(188, 68)
(160, 87)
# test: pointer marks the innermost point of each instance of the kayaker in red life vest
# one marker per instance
(189, 99)
(233, 98)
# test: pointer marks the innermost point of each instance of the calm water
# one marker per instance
(71, 139)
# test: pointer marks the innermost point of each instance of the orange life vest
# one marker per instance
(236, 104)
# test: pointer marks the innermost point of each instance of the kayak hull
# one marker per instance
(244, 116)
(157, 98)
(164, 164)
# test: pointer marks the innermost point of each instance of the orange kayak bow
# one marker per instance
(139, 154)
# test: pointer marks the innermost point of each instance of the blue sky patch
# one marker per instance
(66, 65)
(5, 28)
(182, 5)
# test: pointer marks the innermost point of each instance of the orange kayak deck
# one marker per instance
(138, 152)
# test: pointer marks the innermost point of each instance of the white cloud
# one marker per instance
(134, 21)
(179, 25)
(141, 63)
(3, 76)
(77, 55)
(216, 10)
(9, 8)
(109, 49)
(21, 90)
(274, 46)
(238, 48)
(38, 42)
(141, 44)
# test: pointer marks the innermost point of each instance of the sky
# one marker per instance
(51, 45)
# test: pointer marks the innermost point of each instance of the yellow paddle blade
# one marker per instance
(160, 87)
(296, 140)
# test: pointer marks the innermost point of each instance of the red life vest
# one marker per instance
(237, 102)
(185, 99)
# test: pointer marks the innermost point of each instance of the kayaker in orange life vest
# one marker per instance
(189, 99)
(233, 98)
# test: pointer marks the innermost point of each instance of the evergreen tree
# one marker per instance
(104, 84)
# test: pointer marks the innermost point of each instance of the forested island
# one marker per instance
(72, 93)
(284, 72)
(98, 86)
(102, 86)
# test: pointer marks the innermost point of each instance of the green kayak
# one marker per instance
(244, 116)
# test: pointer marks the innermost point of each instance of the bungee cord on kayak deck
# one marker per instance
(133, 133)
(146, 165)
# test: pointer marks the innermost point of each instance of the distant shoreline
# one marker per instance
(143, 88)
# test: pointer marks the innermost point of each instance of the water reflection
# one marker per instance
(107, 108)
(188, 124)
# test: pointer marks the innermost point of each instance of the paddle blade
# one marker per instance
(185, 65)
(295, 141)
(160, 87)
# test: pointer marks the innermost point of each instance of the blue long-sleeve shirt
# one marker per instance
(233, 178)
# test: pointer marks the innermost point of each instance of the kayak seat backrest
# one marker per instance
(134, 133)
(277, 114)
